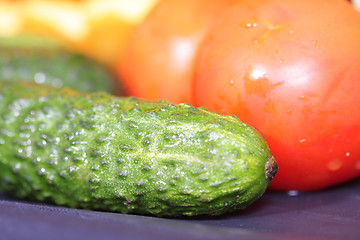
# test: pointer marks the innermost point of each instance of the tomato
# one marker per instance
(159, 61)
(290, 69)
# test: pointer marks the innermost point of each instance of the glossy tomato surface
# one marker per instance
(159, 61)
(291, 69)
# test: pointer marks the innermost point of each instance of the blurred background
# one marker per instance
(96, 28)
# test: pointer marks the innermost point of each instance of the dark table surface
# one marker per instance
(325, 215)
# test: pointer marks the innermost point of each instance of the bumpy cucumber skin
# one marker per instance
(100, 152)
(45, 62)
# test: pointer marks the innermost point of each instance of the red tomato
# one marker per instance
(291, 69)
(159, 61)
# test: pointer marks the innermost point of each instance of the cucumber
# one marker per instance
(122, 154)
(44, 61)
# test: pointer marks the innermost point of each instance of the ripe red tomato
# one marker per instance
(291, 69)
(159, 61)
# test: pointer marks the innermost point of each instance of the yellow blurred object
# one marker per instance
(10, 20)
(96, 28)
(62, 19)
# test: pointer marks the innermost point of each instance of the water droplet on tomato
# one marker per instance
(251, 24)
(347, 154)
(316, 44)
(302, 97)
(334, 165)
(302, 140)
(231, 82)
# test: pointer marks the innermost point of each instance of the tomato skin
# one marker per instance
(159, 61)
(290, 69)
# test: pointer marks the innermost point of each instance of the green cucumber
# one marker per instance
(45, 61)
(97, 151)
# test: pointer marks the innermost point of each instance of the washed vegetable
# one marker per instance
(289, 68)
(101, 152)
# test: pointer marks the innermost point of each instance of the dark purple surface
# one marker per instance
(325, 215)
